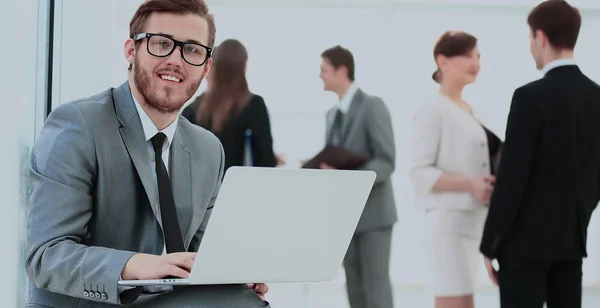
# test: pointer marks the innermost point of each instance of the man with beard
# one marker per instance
(122, 187)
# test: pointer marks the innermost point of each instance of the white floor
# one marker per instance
(332, 295)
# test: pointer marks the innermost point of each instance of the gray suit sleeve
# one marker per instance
(381, 141)
(63, 174)
(195, 244)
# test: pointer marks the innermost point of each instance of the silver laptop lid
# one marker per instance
(281, 225)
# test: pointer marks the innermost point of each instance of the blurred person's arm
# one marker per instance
(523, 128)
(424, 173)
(381, 141)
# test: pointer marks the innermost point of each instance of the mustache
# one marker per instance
(170, 70)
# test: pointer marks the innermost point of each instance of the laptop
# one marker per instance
(276, 225)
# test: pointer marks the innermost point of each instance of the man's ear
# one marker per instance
(207, 66)
(540, 37)
(342, 71)
(129, 50)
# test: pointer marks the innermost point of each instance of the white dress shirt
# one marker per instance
(149, 131)
(344, 104)
(556, 63)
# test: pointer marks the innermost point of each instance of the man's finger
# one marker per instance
(325, 166)
(182, 255)
(261, 288)
(172, 270)
(493, 277)
(492, 272)
(182, 262)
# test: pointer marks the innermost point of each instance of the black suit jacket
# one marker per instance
(547, 182)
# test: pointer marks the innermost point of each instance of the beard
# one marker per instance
(164, 99)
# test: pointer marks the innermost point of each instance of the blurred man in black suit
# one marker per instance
(547, 185)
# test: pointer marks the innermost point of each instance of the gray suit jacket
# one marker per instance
(367, 129)
(91, 195)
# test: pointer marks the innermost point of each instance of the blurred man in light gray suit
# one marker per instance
(122, 186)
(361, 123)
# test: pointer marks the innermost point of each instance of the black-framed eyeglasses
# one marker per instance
(162, 45)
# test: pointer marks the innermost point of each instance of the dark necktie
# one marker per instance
(171, 230)
(336, 128)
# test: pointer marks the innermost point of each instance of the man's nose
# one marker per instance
(175, 57)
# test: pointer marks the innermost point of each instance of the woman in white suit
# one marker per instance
(452, 173)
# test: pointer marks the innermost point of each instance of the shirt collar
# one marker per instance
(556, 63)
(346, 101)
(150, 129)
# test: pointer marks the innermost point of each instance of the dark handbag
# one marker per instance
(495, 149)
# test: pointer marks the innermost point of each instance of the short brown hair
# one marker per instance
(197, 7)
(452, 44)
(339, 56)
(559, 21)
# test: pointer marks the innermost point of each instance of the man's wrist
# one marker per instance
(125, 270)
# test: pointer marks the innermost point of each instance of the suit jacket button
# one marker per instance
(104, 296)
(484, 165)
(86, 294)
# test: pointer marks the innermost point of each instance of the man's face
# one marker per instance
(330, 75)
(153, 76)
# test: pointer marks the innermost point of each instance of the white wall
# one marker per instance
(22, 87)
(392, 43)
(9, 188)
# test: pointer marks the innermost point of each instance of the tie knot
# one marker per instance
(157, 141)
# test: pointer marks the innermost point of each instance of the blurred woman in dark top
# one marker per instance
(228, 109)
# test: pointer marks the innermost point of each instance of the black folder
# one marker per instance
(338, 158)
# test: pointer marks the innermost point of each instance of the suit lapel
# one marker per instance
(351, 115)
(181, 182)
(329, 123)
(132, 134)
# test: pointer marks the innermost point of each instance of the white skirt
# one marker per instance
(453, 257)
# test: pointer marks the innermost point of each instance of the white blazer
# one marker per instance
(446, 139)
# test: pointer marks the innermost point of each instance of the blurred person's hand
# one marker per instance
(326, 166)
(279, 161)
(492, 272)
(260, 288)
(481, 187)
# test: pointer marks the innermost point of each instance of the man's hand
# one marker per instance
(279, 161)
(146, 266)
(491, 270)
(326, 166)
(260, 288)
